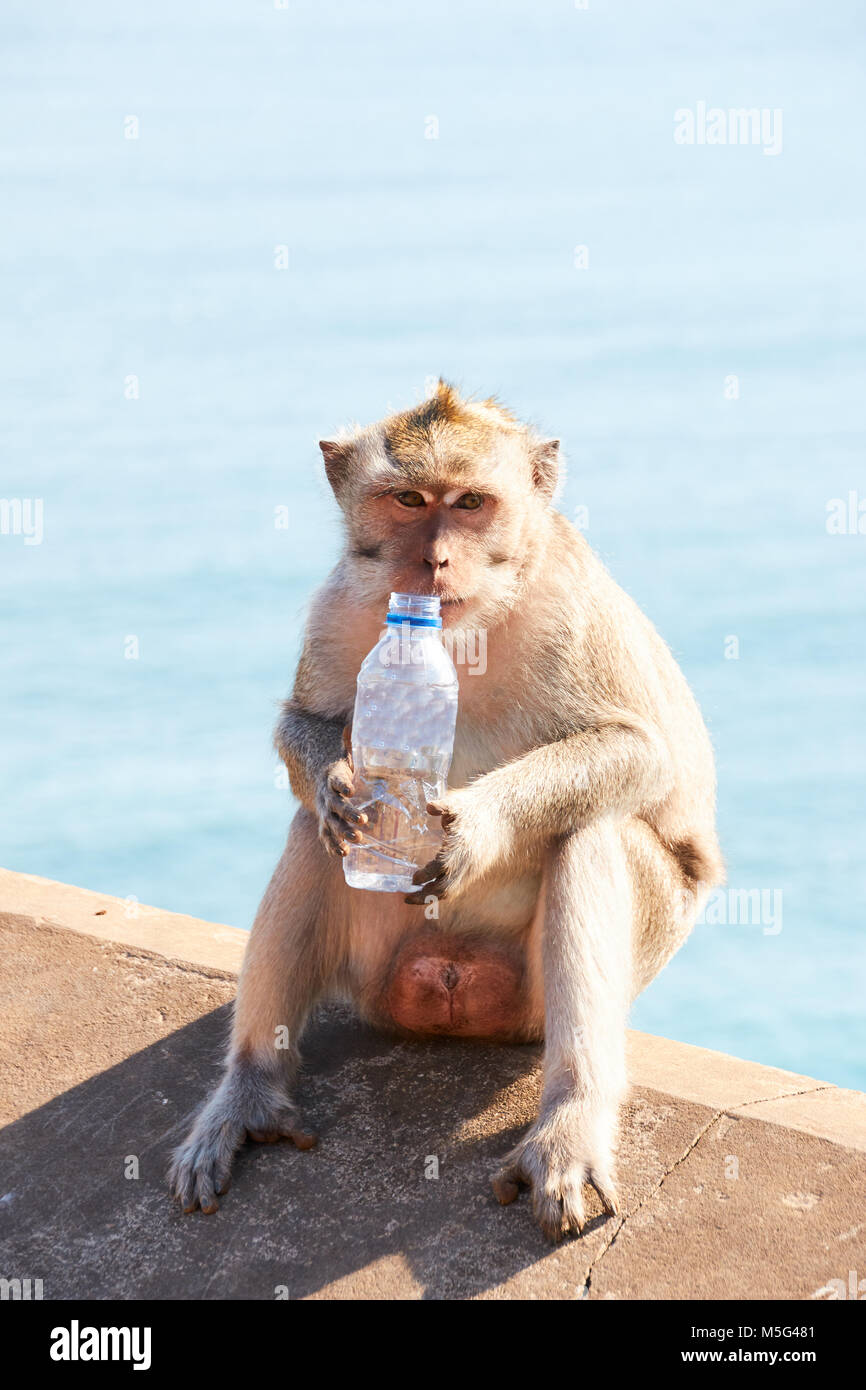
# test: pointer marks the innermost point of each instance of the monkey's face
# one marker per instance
(459, 540)
(442, 500)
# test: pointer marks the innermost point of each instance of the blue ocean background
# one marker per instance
(306, 127)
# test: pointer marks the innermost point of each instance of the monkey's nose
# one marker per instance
(435, 562)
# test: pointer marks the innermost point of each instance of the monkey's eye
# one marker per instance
(409, 499)
(470, 501)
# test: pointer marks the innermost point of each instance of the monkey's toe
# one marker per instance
(506, 1188)
(557, 1205)
(572, 1212)
(557, 1190)
(301, 1139)
(200, 1171)
(604, 1186)
(196, 1188)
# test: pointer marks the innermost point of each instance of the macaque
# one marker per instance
(578, 839)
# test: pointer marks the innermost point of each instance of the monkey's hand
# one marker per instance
(561, 1152)
(248, 1103)
(472, 844)
(338, 818)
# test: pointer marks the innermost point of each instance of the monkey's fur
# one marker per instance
(579, 840)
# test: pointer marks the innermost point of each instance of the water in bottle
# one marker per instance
(402, 740)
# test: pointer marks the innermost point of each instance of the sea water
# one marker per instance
(193, 298)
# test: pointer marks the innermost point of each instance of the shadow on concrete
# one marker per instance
(356, 1217)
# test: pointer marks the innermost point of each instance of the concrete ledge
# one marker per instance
(691, 1073)
(735, 1087)
(189, 939)
(737, 1180)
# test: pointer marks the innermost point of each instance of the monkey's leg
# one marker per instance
(587, 904)
(667, 901)
(295, 950)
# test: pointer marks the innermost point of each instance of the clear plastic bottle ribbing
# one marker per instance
(402, 741)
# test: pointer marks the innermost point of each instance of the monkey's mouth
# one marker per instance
(451, 608)
(450, 604)
(447, 601)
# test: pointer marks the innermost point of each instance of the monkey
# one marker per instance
(578, 841)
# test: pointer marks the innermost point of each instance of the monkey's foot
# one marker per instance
(249, 1103)
(556, 1164)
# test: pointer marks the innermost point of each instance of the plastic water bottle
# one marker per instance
(402, 741)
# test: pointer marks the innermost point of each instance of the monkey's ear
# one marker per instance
(545, 466)
(336, 456)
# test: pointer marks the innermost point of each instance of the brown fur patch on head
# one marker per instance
(445, 427)
(445, 441)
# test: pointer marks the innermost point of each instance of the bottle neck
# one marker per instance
(419, 610)
(398, 620)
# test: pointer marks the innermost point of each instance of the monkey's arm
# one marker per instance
(617, 765)
(315, 751)
(309, 744)
(311, 737)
